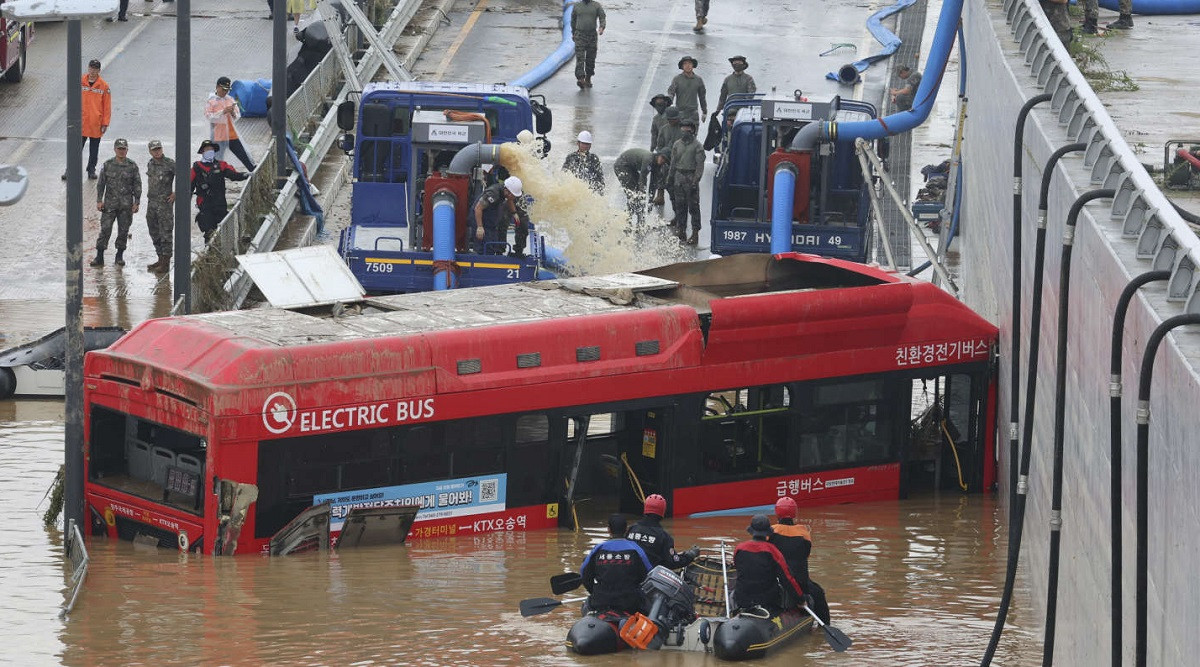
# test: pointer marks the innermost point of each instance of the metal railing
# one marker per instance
(255, 225)
(77, 556)
(1144, 211)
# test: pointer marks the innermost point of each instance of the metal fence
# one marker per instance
(1144, 211)
(77, 556)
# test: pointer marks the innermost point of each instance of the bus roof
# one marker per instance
(436, 87)
(743, 308)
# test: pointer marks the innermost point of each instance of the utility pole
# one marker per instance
(183, 163)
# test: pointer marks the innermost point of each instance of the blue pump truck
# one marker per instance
(402, 137)
(814, 190)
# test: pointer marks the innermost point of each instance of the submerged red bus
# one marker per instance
(719, 384)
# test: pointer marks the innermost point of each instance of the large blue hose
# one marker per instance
(443, 242)
(783, 199)
(1151, 7)
(848, 74)
(903, 121)
(565, 51)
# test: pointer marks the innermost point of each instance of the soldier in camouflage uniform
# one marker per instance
(659, 102)
(668, 132)
(1056, 13)
(701, 15)
(687, 166)
(160, 209)
(586, 17)
(687, 89)
(117, 195)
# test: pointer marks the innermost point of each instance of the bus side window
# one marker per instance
(745, 432)
(527, 462)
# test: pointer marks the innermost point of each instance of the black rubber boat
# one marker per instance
(750, 635)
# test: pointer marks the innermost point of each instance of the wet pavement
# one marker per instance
(139, 65)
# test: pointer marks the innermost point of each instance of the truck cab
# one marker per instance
(830, 205)
(402, 137)
(15, 37)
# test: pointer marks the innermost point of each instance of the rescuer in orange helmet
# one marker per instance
(794, 541)
(655, 540)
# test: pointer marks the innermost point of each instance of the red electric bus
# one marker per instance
(719, 384)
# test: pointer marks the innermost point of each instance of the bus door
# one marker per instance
(947, 450)
(609, 461)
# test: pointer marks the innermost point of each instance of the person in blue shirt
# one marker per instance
(613, 572)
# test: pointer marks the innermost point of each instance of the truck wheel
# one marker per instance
(17, 71)
(8, 383)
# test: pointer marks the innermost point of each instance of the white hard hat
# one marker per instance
(513, 185)
(585, 137)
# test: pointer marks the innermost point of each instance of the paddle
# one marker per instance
(535, 606)
(837, 639)
(567, 581)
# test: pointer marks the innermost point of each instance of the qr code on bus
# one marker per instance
(489, 490)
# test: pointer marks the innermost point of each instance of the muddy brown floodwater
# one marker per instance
(914, 582)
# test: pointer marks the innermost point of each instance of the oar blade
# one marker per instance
(837, 639)
(535, 606)
(567, 581)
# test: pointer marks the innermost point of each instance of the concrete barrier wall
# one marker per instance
(1103, 262)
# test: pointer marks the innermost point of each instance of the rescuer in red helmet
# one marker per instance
(794, 541)
(655, 540)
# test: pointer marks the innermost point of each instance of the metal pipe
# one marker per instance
(73, 427)
(1143, 473)
(1115, 472)
(469, 157)
(782, 205)
(1060, 407)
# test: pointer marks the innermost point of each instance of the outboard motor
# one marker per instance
(671, 601)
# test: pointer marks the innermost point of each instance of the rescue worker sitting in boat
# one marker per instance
(613, 572)
(655, 540)
(763, 578)
(794, 542)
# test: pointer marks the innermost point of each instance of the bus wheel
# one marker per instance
(17, 71)
(8, 383)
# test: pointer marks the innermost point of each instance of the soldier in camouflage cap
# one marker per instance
(160, 210)
(117, 195)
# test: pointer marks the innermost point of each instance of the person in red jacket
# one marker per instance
(97, 114)
(208, 184)
(763, 578)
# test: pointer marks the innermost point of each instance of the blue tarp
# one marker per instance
(252, 96)
(885, 37)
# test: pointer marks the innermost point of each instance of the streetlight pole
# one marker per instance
(71, 11)
(279, 89)
(183, 151)
(73, 443)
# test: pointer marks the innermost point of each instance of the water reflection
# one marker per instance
(913, 583)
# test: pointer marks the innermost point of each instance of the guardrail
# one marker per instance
(1162, 235)
(255, 223)
(77, 556)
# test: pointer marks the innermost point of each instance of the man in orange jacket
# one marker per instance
(97, 113)
(794, 541)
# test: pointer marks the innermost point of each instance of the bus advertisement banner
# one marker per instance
(442, 499)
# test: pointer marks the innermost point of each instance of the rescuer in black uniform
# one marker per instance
(794, 542)
(763, 578)
(613, 572)
(208, 184)
(655, 540)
